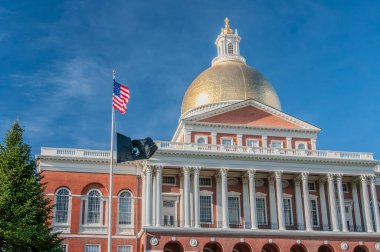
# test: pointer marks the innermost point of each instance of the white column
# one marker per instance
(219, 200)
(313, 144)
(322, 198)
(154, 197)
(186, 189)
(191, 199)
(148, 203)
(187, 137)
(252, 197)
(297, 183)
(374, 203)
(239, 140)
(224, 173)
(246, 208)
(272, 202)
(265, 142)
(280, 201)
(358, 220)
(332, 203)
(196, 197)
(289, 143)
(341, 202)
(367, 207)
(213, 137)
(182, 202)
(159, 196)
(306, 200)
(143, 197)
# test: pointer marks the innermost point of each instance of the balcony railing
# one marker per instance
(264, 151)
(98, 154)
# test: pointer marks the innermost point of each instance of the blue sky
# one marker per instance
(56, 61)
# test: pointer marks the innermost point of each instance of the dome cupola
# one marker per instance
(229, 79)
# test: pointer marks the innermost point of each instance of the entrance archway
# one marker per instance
(298, 248)
(361, 248)
(270, 247)
(173, 247)
(212, 247)
(325, 248)
(242, 247)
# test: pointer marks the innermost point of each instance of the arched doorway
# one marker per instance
(298, 248)
(361, 248)
(242, 247)
(173, 247)
(212, 247)
(270, 247)
(325, 248)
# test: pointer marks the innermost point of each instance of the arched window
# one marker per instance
(301, 146)
(201, 140)
(230, 48)
(61, 212)
(125, 208)
(93, 207)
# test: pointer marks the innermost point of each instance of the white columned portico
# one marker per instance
(158, 196)
(341, 202)
(374, 203)
(272, 203)
(224, 173)
(332, 203)
(246, 208)
(299, 209)
(358, 220)
(148, 203)
(280, 200)
(186, 190)
(367, 207)
(196, 171)
(322, 196)
(252, 197)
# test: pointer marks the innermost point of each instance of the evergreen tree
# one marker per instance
(24, 209)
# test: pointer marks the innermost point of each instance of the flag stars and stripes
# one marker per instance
(120, 97)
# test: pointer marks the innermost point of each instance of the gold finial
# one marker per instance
(227, 29)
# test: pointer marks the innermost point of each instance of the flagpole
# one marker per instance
(111, 176)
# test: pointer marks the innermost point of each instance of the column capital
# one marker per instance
(363, 179)
(330, 177)
(149, 168)
(304, 176)
(339, 177)
(158, 168)
(278, 174)
(244, 180)
(223, 171)
(372, 178)
(196, 169)
(186, 169)
(322, 180)
(251, 173)
(297, 180)
(271, 179)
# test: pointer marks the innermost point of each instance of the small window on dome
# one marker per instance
(230, 48)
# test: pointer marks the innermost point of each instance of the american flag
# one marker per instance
(120, 97)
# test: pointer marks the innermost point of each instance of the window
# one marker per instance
(276, 144)
(65, 247)
(125, 208)
(201, 140)
(230, 48)
(92, 248)
(124, 248)
(261, 211)
(312, 187)
(288, 211)
(205, 209)
(93, 212)
(62, 206)
(345, 187)
(168, 180)
(253, 143)
(234, 210)
(226, 141)
(314, 212)
(207, 182)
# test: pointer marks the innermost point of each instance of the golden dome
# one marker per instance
(229, 81)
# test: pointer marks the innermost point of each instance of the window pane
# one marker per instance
(93, 212)
(301, 146)
(276, 144)
(92, 248)
(201, 140)
(253, 143)
(230, 48)
(314, 212)
(62, 206)
(261, 211)
(234, 210)
(205, 209)
(288, 212)
(311, 186)
(168, 180)
(125, 208)
(124, 248)
(205, 181)
(227, 141)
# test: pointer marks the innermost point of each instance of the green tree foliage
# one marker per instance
(24, 209)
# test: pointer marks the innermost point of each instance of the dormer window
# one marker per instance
(230, 48)
(276, 144)
(201, 140)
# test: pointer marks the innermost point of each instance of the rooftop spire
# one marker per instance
(227, 29)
